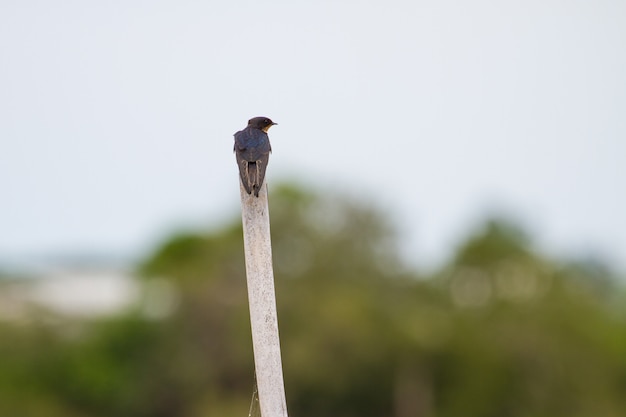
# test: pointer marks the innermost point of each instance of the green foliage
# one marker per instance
(499, 331)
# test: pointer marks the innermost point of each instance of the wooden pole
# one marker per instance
(262, 299)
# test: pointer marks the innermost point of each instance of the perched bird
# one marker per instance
(252, 150)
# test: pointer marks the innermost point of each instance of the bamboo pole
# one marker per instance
(262, 300)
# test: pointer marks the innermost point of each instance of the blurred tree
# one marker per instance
(530, 337)
(331, 257)
(499, 331)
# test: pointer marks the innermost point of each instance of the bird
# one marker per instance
(252, 151)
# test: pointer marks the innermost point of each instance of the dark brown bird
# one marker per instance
(252, 150)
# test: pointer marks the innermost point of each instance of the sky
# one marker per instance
(116, 118)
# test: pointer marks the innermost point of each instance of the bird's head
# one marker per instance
(262, 123)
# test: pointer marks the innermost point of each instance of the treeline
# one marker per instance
(500, 331)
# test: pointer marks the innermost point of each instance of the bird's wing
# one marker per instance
(240, 141)
(261, 144)
(261, 167)
(252, 144)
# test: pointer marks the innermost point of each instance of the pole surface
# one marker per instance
(262, 299)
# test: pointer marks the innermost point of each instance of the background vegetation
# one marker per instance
(500, 331)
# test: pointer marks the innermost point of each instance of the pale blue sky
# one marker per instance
(116, 118)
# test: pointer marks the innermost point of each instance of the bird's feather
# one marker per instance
(252, 149)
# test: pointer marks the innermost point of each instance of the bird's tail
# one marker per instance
(255, 177)
(252, 174)
(247, 173)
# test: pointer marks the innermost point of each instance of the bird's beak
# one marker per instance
(274, 123)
